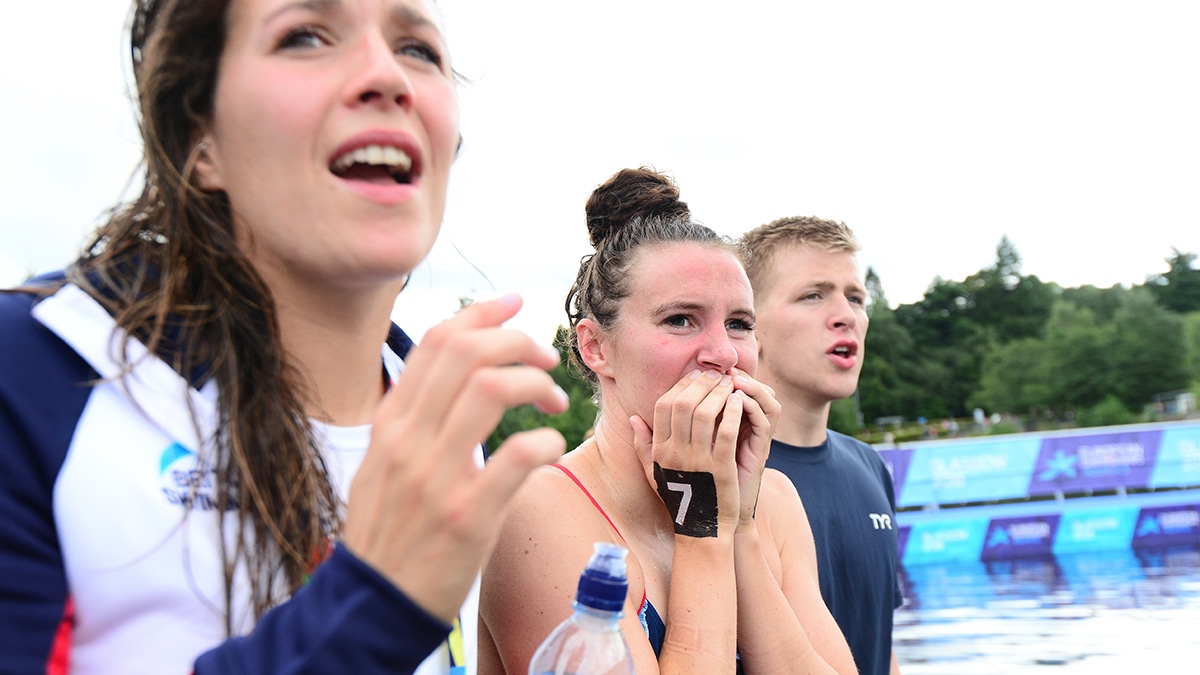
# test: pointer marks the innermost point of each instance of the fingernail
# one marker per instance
(551, 351)
(741, 380)
(726, 380)
(511, 299)
(712, 374)
(562, 395)
(694, 374)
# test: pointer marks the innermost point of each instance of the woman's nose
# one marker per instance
(718, 352)
(380, 78)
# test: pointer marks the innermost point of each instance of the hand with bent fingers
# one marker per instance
(420, 510)
(696, 429)
(761, 413)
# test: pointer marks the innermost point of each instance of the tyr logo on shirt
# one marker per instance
(882, 521)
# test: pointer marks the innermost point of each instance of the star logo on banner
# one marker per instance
(1149, 526)
(999, 538)
(1061, 464)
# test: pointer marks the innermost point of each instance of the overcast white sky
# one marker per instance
(933, 129)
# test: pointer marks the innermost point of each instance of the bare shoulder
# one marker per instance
(529, 580)
(780, 497)
(782, 518)
(547, 524)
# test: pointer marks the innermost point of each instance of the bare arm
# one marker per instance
(695, 433)
(783, 624)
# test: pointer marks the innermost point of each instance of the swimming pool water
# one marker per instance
(1120, 612)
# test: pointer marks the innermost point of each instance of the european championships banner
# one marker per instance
(1059, 465)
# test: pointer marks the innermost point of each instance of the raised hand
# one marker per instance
(760, 414)
(420, 509)
(690, 454)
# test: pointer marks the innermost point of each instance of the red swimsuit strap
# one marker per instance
(595, 503)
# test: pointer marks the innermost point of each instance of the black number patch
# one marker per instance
(691, 499)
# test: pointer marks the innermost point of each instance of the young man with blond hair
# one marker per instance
(811, 303)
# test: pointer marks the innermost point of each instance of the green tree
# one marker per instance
(1191, 337)
(1107, 412)
(957, 324)
(939, 318)
(1147, 348)
(1102, 302)
(843, 417)
(1012, 378)
(949, 343)
(1008, 305)
(1078, 368)
(1179, 289)
(894, 373)
(574, 424)
(876, 298)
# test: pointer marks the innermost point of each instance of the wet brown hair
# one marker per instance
(635, 208)
(168, 268)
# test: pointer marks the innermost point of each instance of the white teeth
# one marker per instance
(379, 155)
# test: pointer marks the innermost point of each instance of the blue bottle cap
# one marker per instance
(604, 584)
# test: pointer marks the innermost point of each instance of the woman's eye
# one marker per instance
(739, 325)
(303, 37)
(677, 321)
(420, 50)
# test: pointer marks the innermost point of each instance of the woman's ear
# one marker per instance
(593, 347)
(207, 168)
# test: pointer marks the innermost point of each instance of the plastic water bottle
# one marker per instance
(590, 641)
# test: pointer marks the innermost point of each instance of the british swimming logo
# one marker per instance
(186, 483)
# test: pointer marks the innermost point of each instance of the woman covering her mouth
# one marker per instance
(722, 568)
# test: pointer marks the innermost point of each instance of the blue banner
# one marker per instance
(969, 471)
(1168, 525)
(944, 540)
(1178, 458)
(1087, 529)
(1022, 466)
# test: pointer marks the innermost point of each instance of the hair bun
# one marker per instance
(631, 194)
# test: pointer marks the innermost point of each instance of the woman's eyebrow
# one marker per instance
(678, 306)
(411, 17)
(317, 6)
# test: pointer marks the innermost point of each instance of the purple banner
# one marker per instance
(1099, 462)
(1020, 537)
(1168, 525)
(902, 539)
(897, 461)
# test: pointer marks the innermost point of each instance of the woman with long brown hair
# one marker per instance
(217, 453)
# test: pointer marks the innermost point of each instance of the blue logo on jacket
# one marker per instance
(186, 483)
